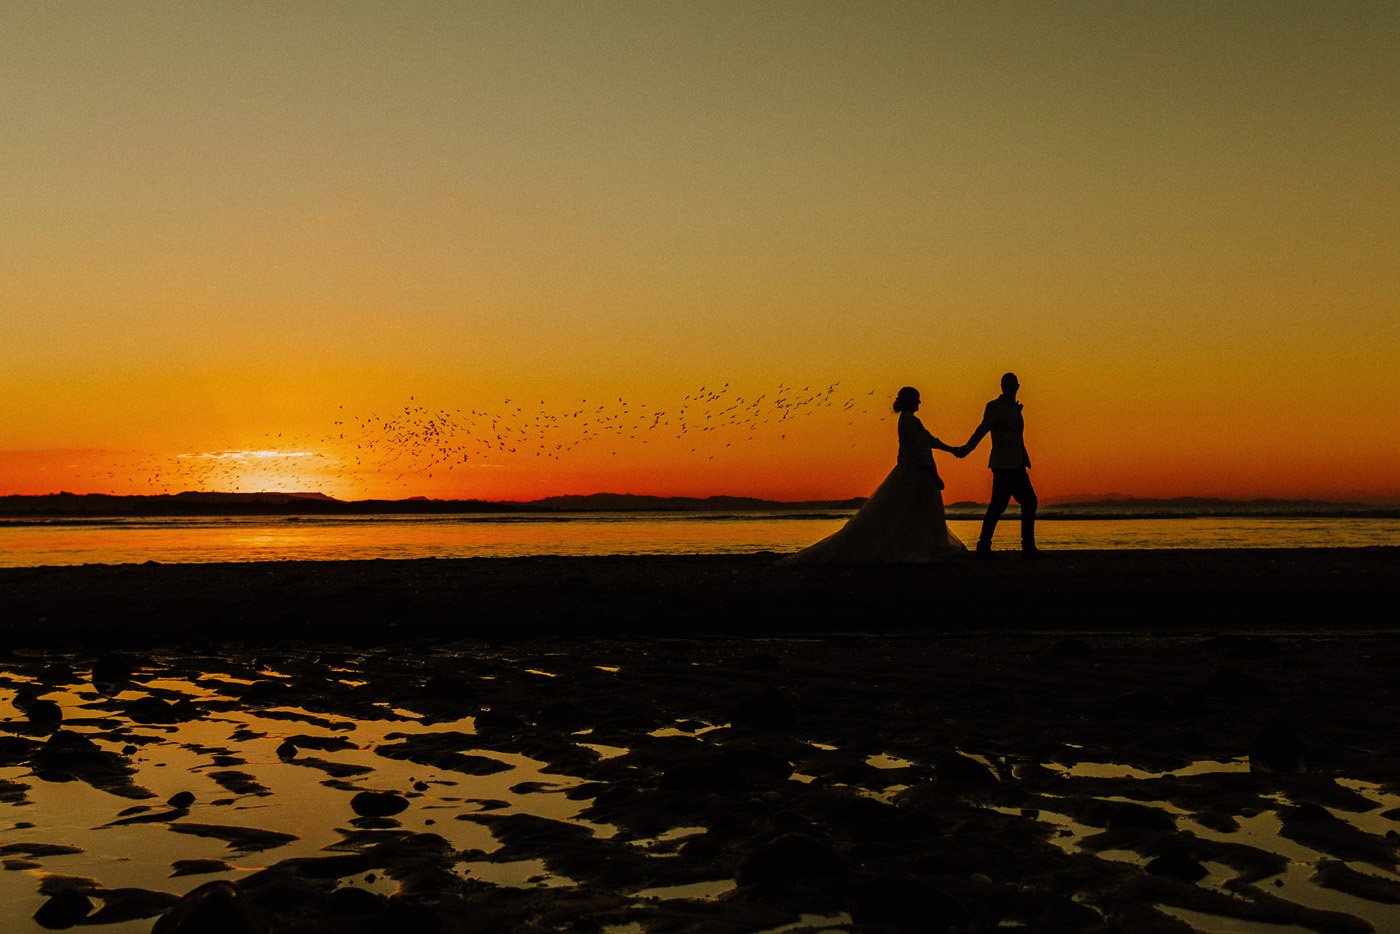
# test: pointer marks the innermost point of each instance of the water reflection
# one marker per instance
(253, 802)
(185, 540)
(537, 787)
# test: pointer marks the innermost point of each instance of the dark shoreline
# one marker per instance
(525, 515)
(24, 509)
(383, 601)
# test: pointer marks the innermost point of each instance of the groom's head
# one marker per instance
(1009, 384)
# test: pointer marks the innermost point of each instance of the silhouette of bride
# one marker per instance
(903, 520)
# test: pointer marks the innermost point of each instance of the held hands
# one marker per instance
(961, 451)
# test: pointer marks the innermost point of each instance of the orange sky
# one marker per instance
(224, 230)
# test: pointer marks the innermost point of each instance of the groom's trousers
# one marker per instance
(1006, 486)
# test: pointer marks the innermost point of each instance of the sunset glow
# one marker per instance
(233, 235)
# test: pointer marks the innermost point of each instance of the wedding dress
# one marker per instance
(903, 521)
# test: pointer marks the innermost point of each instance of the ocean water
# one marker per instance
(33, 543)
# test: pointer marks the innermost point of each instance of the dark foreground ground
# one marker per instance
(367, 602)
(884, 749)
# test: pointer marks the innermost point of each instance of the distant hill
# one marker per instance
(189, 503)
(60, 505)
(56, 505)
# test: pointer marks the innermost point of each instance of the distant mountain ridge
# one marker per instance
(59, 505)
(217, 504)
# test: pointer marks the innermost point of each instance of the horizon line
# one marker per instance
(1072, 499)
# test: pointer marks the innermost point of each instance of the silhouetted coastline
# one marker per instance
(746, 595)
(97, 505)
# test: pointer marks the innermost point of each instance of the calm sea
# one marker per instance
(261, 538)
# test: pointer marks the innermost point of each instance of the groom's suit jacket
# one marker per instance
(1003, 420)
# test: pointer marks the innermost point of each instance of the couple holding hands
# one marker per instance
(903, 521)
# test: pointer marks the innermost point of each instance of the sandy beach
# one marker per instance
(1134, 741)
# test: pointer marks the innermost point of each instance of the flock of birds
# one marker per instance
(416, 441)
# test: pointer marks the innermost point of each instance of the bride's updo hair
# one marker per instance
(906, 399)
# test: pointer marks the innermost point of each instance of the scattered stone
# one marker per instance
(53, 883)
(522, 834)
(196, 867)
(1307, 814)
(16, 750)
(1314, 826)
(240, 839)
(288, 750)
(149, 817)
(332, 768)
(16, 793)
(44, 713)
(181, 799)
(1335, 874)
(110, 670)
(793, 857)
(1124, 815)
(326, 867)
(265, 694)
(239, 783)
(155, 710)
(213, 908)
(443, 751)
(1220, 821)
(502, 721)
(74, 755)
(130, 904)
(378, 804)
(38, 849)
(63, 910)
(958, 769)
(1177, 865)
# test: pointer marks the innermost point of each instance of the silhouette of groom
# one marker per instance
(1009, 463)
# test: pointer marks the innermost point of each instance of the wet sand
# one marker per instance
(1099, 741)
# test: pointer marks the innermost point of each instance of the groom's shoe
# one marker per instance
(1028, 550)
